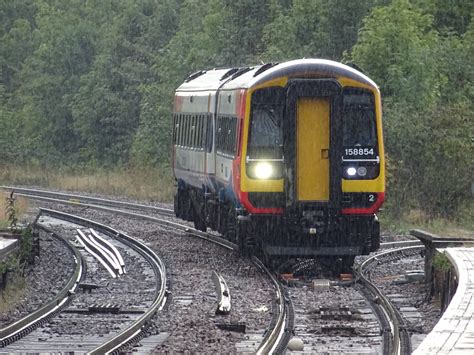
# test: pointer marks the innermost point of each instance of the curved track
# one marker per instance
(395, 334)
(27, 324)
(278, 334)
(133, 325)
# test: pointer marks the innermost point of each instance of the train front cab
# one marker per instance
(312, 167)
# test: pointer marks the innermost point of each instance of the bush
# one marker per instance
(429, 161)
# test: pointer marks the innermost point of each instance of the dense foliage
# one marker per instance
(90, 82)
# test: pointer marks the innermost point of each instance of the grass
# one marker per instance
(461, 226)
(12, 294)
(148, 184)
(138, 183)
(152, 184)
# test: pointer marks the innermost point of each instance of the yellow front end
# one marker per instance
(312, 152)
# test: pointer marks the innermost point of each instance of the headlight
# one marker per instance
(361, 171)
(351, 171)
(263, 170)
(358, 172)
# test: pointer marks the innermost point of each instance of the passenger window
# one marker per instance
(193, 131)
(198, 131)
(209, 132)
(201, 131)
(180, 130)
(188, 131)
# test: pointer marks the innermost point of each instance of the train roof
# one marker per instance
(247, 77)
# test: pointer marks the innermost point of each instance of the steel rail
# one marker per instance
(111, 249)
(35, 319)
(396, 336)
(276, 340)
(203, 235)
(97, 253)
(400, 244)
(277, 336)
(108, 253)
(75, 199)
(78, 199)
(223, 294)
(134, 330)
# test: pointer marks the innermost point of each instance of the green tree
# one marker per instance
(64, 51)
(296, 32)
(182, 54)
(106, 108)
(396, 47)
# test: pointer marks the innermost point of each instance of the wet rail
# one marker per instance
(25, 325)
(133, 326)
(86, 200)
(396, 338)
(134, 330)
(278, 333)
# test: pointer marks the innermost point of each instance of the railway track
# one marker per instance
(85, 308)
(90, 201)
(394, 328)
(276, 336)
(25, 325)
(395, 336)
(357, 315)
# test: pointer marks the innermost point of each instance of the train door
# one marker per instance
(311, 135)
(312, 149)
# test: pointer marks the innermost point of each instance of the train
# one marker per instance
(284, 159)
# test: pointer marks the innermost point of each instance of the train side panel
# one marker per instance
(193, 158)
(227, 135)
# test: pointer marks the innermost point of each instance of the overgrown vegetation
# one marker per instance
(12, 213)
(87, 86)
(153, 184)
(13, 266)
(441, 262)
(8, 202)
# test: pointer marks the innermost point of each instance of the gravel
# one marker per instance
(50, 273)
(390, 278)
(189, 323)
(337, 320)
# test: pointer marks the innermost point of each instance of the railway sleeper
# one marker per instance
(338, 328)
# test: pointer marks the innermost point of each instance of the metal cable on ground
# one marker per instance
(108, 254)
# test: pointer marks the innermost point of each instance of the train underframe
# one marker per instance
(304, 232)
